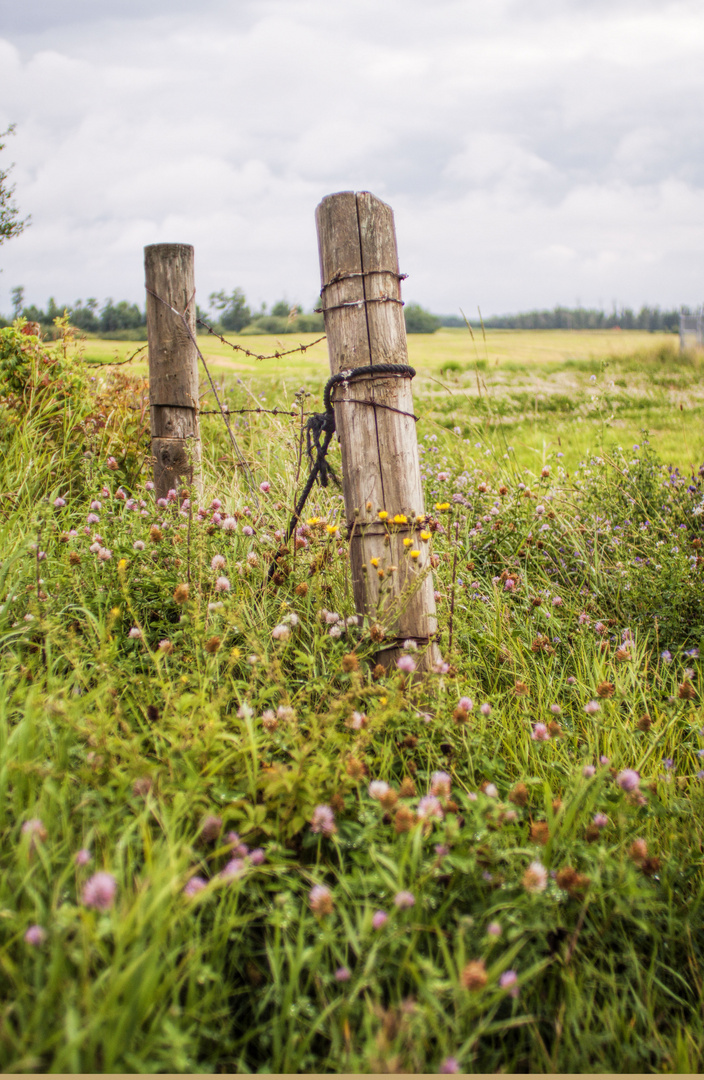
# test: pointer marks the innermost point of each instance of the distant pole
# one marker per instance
(364, 325)
(173, 366)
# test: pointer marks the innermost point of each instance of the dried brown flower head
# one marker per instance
(355, 769)
(686, 691)
(181, 593)
(74, 559)
(407, 789)
(605, 690)
(474, 975)
(518, 794)
(539, 832)
(644, 723)
(521, 689)
(302, 589)
(638, 851)
(155, 534)
(350, 662)
(623, 653)
(212, 645)
(404, 819)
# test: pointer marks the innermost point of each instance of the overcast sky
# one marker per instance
(534, 152)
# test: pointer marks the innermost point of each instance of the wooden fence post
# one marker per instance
(173, 366)
(364, 325)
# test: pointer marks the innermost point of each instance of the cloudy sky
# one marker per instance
(534, 151)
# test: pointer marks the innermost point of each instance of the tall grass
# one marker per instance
(533, 839)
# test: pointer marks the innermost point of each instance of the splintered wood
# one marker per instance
(364, 324)
(173, 366)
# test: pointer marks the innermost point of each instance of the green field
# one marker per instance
(230, 843)
(541, 392)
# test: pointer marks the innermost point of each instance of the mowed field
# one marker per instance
(532, 393)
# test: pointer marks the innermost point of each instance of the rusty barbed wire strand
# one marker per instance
(257, 356)
(182, 316)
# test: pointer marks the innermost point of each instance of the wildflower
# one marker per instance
(535, 879)
(165, 646)
(135, 632)
(217, 562)
(591, 708)
(440, 783)
(603, 760)
(281, 632)
(540, 733)
(34, 829)
(406, 664)
(474, 976)
(490, 790)
(466, 704)
(357, 721)
(485, 709)
(518, 795)
(425, 535)
(343, 974)
(600, 820)
(323, 821)
(589, 771)
(58, 503)
(104, 554)
(628, 780)
(233, 869)
(429, 807)
(449, 1065)
(138, 545)
(222, 584)
(638, 851)
(571, 680)
(415, 554)
(335, 632)
(229, 525)
(320, 900)
(181, 593)
(404, 899)
(82, 857)
(112, 464)
(557, 601)
(442, 506)
(99, 891)
(494, 929)
(257, 856)
(194, 885)
(265, 487)
(378, 789)
(35, 935)
(210, 827)
(520, 689)
(509, 981)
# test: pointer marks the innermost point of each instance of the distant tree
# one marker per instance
(83, 316)
(122, 316)
(10, 223)
(420, 321)
(233, 306)
(281, 309)
(17, 295)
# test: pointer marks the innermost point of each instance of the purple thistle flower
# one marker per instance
(406, 664)
(99, 891)
(378, 919)
(540, 733)
(591, 708)
(82, 857)
(404, 899)
(195, 885)
(343, 974)
(628, 780)
(485, 709)
(588, 770)
(449, 1065)
(35, 935)
(323, 821)
(509, 981)
(465, 703)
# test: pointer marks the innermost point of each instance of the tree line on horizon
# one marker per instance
(230, 313)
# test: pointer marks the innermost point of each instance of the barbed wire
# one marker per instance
(258, 356)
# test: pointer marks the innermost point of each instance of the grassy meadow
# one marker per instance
(230, 843)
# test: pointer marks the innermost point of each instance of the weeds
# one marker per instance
(229, 843)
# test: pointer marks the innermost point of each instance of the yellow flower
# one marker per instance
(425, 535)
(332, 529)
(115, 612)
(442, 506)
(122, 564)
(312, 521)
(383, 515)
(407, 542)
(414, 554)
(400, 519)
(374, 562)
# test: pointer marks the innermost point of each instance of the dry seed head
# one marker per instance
(605, 690)
(302, 589)
(155, 534)
(474, 975)
(404, 819)
(355, 769)
(407, 789)
(212, 645)
(350, 662)
(539, 832)
(518, 795)
(181, 593)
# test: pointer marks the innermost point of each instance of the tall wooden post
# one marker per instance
(173, 366)
(364, 325)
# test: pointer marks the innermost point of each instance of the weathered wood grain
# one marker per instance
(381, 472)
(173, 366)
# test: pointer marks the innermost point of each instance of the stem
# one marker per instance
(452, 592)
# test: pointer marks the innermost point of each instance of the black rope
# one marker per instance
(323, 425)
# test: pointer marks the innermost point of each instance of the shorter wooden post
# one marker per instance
(173, 366)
